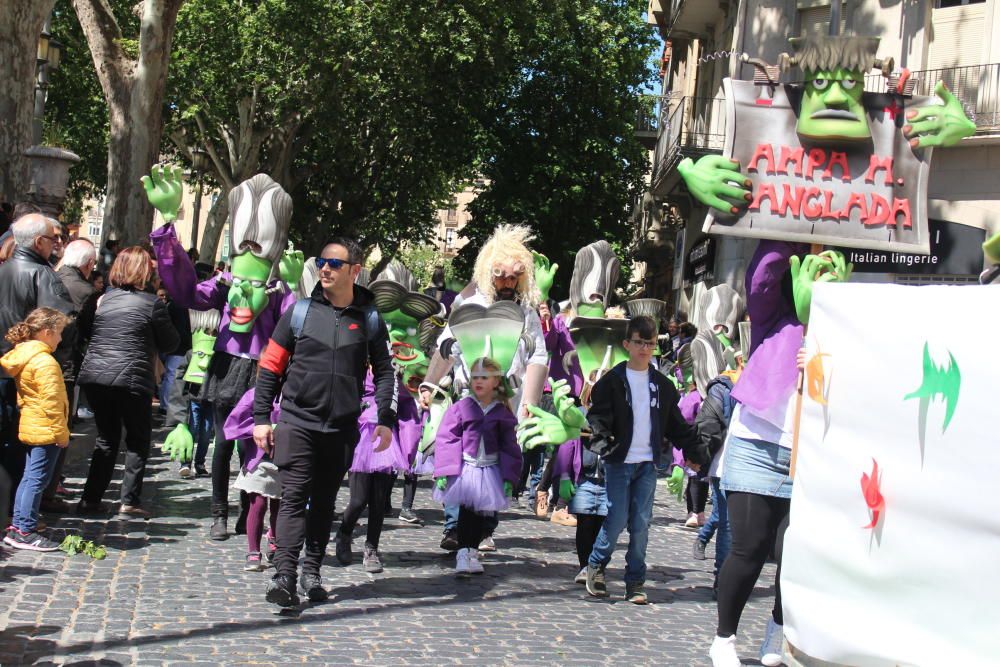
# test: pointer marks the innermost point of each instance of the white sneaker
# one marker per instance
(581, 578)
(462, 563)
(771, 651)
(84, 413)
(692, 521)
(723, 652)
(475, 567)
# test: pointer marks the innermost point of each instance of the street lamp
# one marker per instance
(48, 57)
(199, 165)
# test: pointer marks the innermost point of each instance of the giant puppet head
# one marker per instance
(260, 213)
(204, 329)
(495, 331)
(712, 352)
(595, 275)
(505, 268)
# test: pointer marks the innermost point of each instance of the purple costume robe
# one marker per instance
(569, 460)
(461, 429)
(558, 343)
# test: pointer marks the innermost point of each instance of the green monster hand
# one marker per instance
(676, 482)
(566, 489)
(992, 249)
(828, 266)
(543, 429)
(179, 444)
(711, 178)
(544, 274)
(441, 483)
(565, 405)
(164, 189)
(508, 489)
(291, 265)
(938, 124)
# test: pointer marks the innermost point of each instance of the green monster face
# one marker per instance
(202, 349)
(413, 375)
(831, 106)
(404, 335)
(590, 309)
(248, 295)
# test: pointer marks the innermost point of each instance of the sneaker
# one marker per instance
(581, 577)
(635, 594)
(84, 413)
(343, 547)
(699, 549)
(200, 470)
(267, 556)
(55, 506)
(311, 586)
(562, 517)
(488, 544)
(88, 507)
(541, 504)
(254, 562)
(596, 586)
(450, 541)
(723, 652)
(692, 521)
(281, 591)
(219, 530)
(185, 471)
(133, 511)
(32, 541)
(371, 561)
(462, 563)
(409, 516)
(771, 652)
(475, 565)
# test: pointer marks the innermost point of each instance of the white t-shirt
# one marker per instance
(641, 448)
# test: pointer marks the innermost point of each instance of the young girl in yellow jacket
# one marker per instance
(44, 407)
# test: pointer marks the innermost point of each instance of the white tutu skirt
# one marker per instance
(479, 489)
(263, 480)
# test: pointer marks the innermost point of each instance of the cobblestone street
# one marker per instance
(167, 595)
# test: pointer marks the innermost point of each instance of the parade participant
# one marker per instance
(316, 359)
(477, 460)
(633, 411)
(259, 479)
(44, 423)
(251, 297)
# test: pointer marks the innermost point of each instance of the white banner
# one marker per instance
(905, 378)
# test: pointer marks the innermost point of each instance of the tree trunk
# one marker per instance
(217, 218)
(22, 22)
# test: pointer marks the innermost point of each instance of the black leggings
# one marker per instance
(409, 490)
(472, 528)
(756, 523)
(587, 528)
(696, 495)
(367, 489)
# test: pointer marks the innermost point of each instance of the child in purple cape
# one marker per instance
(477, 460)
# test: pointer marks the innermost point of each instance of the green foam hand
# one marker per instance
(566, 407)
(291, 265)
(179, 444)
(714, 177)
(545, 274)
(939, 124)
(676, 482)
(543, 428)
(164, 189)
(441, 483)
(992, 248)
(508, 489)
(828, 266)
(566, 489)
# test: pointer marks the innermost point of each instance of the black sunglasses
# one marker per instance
(332, 262)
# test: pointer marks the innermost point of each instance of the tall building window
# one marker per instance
(449, 238)
(452, 215)
(939, 4)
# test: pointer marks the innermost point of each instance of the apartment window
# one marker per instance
(452, 215)
(816, 21)
(449, 238)
(940, 4)
(94, 231)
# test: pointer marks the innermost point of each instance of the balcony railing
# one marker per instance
(690, 126)
(647, 123)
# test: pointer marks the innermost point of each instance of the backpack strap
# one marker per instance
(299, 312)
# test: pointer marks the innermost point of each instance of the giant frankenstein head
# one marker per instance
(834, 69)
(260, 212)
(407, 313)
(595, 274)
(204, 329)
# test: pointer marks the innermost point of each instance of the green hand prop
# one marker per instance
(711, 178)
(544, 274)
(676, 482)
(566, 489)
(565, 406)
(291, 265)
(508, 489)
(179, 444)
(828, 266)
(992, 249)
(939, 124)
(164, 189)
(441, 482)
(543, 429)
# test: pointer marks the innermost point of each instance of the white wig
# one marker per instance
(508, 245)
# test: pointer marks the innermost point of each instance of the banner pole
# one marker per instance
(814, 249)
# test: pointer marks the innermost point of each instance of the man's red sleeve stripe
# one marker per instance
(275, 358)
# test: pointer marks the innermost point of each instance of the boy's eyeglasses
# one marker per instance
(644, 344)
(332, 262)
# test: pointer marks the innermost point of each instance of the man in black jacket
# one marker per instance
(633, 415)
(319, 370)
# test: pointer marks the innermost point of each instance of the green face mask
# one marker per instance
(413, 375)
(202, 349)
(405, 339)
(590, 309)
(248, 294)
(831, 106)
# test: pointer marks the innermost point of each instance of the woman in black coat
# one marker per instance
(131, 327)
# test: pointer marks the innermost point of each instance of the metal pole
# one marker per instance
(197, 214)
(835, 18)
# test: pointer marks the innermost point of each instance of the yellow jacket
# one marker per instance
(41, 393)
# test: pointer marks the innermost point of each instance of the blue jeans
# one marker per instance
(451, 519)
(170, 364)
(718, 523)
(202, 425)
(631, 488)
(39, 465)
